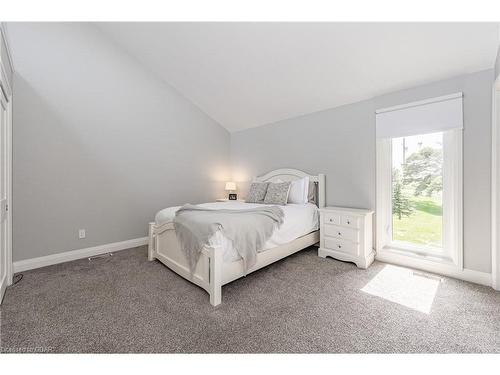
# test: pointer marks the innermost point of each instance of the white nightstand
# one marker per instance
(346, 234)
(227, 200)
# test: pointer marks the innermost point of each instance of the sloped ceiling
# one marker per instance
(249, 74)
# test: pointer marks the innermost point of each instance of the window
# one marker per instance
(417, 190)
(419, 181)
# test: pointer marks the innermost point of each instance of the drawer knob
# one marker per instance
(340, 246)
(340, 234)
(331, 220)
(348, 222)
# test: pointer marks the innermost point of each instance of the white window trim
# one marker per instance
(451, 259)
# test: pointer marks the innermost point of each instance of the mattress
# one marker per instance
(299, 220)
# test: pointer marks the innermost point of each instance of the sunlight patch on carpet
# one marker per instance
(403, 286)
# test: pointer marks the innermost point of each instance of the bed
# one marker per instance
(219, 264)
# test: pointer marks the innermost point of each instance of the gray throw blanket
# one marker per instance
(248, 229)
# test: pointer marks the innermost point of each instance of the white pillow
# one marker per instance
(299, 191)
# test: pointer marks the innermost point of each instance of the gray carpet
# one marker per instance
(300, 304)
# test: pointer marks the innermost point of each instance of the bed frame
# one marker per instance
(212, 272)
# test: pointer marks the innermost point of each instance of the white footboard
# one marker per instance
(211, 272)
(163, 245)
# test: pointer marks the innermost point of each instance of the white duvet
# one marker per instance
(300, 219)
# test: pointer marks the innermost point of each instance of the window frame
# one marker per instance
(452, 253)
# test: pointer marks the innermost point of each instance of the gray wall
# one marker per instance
(100, 143)
(341, 143)
(497, 64)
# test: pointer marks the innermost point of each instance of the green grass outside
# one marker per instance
(424, 226)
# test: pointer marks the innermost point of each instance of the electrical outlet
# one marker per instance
(81, 233)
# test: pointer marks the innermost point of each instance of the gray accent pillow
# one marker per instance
(257, 192)
(313, 193)
(277, 193)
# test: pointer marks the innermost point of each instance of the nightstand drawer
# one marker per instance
(341, 246)
(331, 218)
(341, 232)
(350, 221)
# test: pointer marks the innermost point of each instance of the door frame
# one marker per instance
(10, 274)
(5, 97)
(495, 186)
(7, 90)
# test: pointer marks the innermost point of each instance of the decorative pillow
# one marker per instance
(312, 195)
(277, 193)
(299, 190)
(257, 192)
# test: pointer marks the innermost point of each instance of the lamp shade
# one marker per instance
(230, 186)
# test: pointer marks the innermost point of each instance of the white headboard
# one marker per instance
(289, 174)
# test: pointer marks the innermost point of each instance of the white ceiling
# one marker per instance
(249, 74)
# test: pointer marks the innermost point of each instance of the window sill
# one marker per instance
(430, 262)
(431, 253)
(440, 267)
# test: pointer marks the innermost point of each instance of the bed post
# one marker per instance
(321, 191)
(151, 247)
(216, 260)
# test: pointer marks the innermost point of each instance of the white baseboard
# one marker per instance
(472, 276)
(29, 264)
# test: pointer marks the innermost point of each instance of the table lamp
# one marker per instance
(231, 186)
